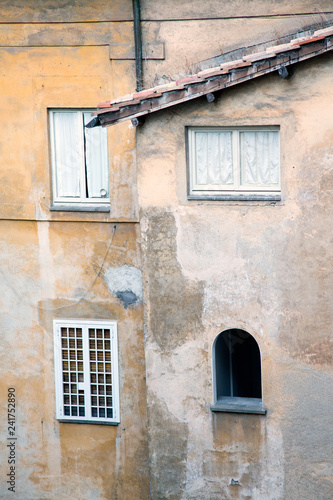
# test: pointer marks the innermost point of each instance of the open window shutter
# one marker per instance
(68, 153)
(96, 160)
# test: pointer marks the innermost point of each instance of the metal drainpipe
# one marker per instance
(138, 45)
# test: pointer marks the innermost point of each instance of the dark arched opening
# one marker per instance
(237, 367)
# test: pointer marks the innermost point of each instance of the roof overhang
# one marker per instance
(207, 82)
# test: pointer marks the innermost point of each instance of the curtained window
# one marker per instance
(79, 160)
(234, 162)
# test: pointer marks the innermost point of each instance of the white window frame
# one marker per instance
(86, 385)
(82, 201)
(236, 190)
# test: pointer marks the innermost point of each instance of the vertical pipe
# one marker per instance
(137, 45)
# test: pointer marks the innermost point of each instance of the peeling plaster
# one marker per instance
(168, 460)
(125, 283)
(272, 465)
(175, 301)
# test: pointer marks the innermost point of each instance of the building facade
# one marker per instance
(68, 255)
(201, 267)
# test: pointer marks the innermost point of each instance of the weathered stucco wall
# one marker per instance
(194, 31)
(34, 80)
(53, 270)
(206, 266)
(262, 267)
(56, 265)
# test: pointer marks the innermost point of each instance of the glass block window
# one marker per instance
(240, 163)
(86, 371)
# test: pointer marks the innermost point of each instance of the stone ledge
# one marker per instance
(240, 405)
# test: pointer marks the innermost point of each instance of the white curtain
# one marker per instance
(260, 157)
(214, 158)
(67, 153)
(97, 171)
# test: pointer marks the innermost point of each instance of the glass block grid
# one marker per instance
(72, 371)
(100, 373)
(86, 371)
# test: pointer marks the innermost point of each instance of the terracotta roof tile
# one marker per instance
(239, 63)
(105, 104)
(214, 79)
(165, 87)
(312, 39)
(258, 56)
(122, 104)
(145, 94)
(124, 98)
(277, 49)
(324, 32)
(208, 72)
(188, 80)
(299, 39)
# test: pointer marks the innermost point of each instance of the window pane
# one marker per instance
(214, 158)
(68, 154)
(260, 158)
(101, 368)
(97, 171)
(70, 390)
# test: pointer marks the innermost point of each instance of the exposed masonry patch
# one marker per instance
(125, 283)
(128, 298)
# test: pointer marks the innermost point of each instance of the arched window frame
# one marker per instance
(231, 403)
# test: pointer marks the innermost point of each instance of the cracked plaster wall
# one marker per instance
(66, 264)
(48, 271)
(207, 266)
(265, 268)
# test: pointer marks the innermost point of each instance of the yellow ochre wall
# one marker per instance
(55, 264)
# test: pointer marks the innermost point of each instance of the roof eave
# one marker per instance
(214, 80)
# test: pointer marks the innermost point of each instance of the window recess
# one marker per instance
(79, 158)
(234, 163)
(237, 373)
(86, 371)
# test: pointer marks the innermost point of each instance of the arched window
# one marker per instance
(237, 373)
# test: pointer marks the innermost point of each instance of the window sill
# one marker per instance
(235, 197)
(79, 208)
(239, 405)
(73, 421)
